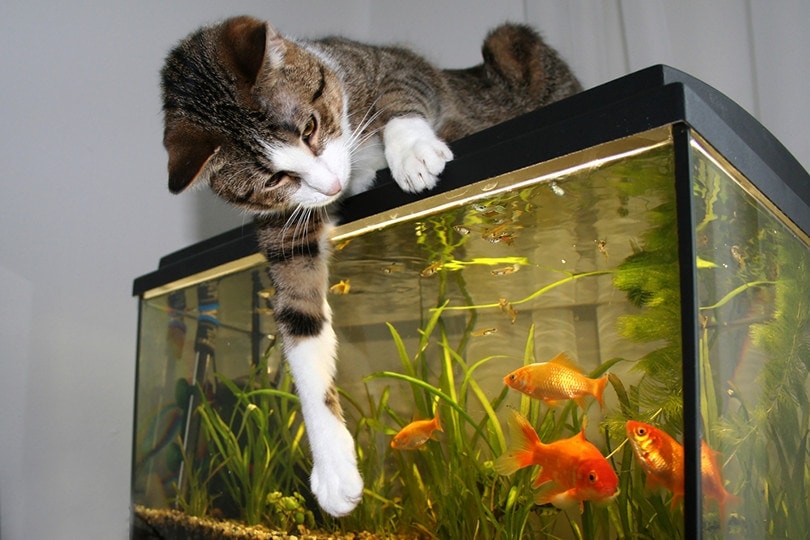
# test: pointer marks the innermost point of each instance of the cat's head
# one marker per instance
(258, 117)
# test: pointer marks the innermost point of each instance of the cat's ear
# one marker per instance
(246, 44)
(190, 150)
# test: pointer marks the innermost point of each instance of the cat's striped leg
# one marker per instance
(335, 480)
(300, 274)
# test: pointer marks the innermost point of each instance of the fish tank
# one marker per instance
(647, 237)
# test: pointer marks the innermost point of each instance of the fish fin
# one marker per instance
(543, 480)
(564, 360)
(675, 500)
(437, 421)
(651, 483)
(520, 453)
(580, 400)
(560, 498)
(725, 499)
(599, 389)
(551, 402)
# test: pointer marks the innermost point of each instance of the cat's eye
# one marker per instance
(275, 179)
(309, 129)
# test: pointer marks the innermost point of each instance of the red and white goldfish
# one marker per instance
(573, 470)
(662, 459)
(555, 380)
(416, 434)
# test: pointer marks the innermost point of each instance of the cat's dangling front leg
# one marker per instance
(415, 154)
(300, 274)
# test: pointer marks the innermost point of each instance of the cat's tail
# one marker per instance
(518, 56)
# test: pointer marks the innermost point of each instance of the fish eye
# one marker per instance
(593, 477)
(641, 431)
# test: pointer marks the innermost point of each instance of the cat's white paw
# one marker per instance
(414, 153)
(335, 480)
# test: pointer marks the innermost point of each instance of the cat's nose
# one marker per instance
(333, 189)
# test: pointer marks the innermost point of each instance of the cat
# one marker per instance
(283, 128)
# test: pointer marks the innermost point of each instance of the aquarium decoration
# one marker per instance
(596, 327)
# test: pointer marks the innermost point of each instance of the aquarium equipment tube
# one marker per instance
(204, 347)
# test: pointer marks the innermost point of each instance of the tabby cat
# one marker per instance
(283, 128)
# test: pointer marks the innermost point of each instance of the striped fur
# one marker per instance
(283, 128)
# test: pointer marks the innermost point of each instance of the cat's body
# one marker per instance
(284, 128)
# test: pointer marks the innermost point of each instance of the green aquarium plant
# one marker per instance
(449, 487)
(254, 450)
(757, 408)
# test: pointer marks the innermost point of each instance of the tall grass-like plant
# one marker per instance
(256, 446)
(449, 489)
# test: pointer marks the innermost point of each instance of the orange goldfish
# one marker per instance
(416, 434)
(661, 458)
(573, 470)
(341, 287)
(555, 380)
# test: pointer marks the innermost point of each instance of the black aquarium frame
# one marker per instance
(651, 98)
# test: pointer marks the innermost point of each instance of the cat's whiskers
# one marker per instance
(359, 136)
(290, 223)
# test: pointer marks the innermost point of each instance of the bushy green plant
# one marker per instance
(254, 447)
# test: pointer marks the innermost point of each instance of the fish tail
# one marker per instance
(437, 422)
(521, 452)
(599, 389)
(725, 498)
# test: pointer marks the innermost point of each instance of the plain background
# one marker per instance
(84, 207)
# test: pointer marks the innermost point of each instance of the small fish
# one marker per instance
(555, 380)
(484, 332)
(505, 270)
(431, 269)
(736, 253)
(507, 308)
(488, 210)
(341, 287)
(267, 293)
(572, 470)
(601, 245)
(506, 238)
(462, 230)
(661, 458)
(392, 268)
(558, 191)
(341, 246)
(416, 434)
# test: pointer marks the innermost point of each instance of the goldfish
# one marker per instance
(661, 458)
(416, 434)
(342, 287)
(573, 469)
(555, 380)
(267, 293)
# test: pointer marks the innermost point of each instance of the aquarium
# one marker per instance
(647, 240)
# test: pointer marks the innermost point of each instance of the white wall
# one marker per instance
(84, 207)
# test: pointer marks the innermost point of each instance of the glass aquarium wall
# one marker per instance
(511, 363)
(754, 355)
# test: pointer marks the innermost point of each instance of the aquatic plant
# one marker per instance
(196, 499)
(255, 448)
